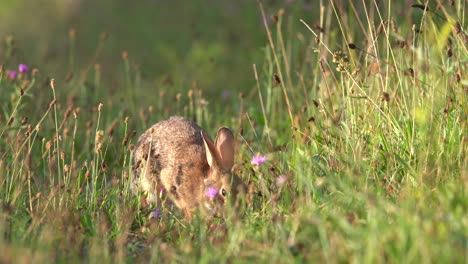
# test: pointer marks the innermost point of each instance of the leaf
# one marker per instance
(443, 35)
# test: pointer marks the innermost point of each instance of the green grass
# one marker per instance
(366, 118)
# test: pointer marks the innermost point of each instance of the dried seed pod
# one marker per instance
(104, 167)
(104, 36)
(67, 112)
(98, 148)
(112, 127)
(274, 18)
(52, 84)
(48, 145)
(69, 77)
(125, 55)
(449, 52)
(34, 72)
(386, 97)
(52, 103)
(381, 27)
(281, 12)
(393, 25)
(316, 104)
(99, 136)
(458, 29)
(72, 33)
(277, 80)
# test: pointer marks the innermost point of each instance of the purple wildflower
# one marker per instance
(22, 68)
(281, 180)
(12, 74)
(211, 192)
(258, 160)
(155, 214)
(226, 94)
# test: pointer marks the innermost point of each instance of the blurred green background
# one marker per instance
(212, 42)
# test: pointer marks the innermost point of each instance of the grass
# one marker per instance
(365, 114)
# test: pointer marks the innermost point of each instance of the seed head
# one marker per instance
(52, 84)
(449, 52)
(458, 28)
(393, 25)
(72, 33)
(386, 97)
(124, 55)
(277, 79)
(34, 72)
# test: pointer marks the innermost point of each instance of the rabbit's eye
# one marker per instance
(223, 192)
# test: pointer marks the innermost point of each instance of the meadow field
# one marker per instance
(350, 118)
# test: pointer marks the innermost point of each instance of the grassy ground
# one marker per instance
(361, 111)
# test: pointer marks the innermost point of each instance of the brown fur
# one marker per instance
(176, 157)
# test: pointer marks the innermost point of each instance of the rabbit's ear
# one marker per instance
(210, 150)
(225, 147)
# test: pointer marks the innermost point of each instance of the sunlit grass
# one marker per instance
(352, 140)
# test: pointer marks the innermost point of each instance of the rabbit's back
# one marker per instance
(170, 158)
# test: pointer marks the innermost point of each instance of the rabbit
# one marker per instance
(176, 157)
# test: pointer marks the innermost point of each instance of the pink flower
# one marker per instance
(22, 68)
(281, 180)
(258, 160)
(211, 192)
(12, 75)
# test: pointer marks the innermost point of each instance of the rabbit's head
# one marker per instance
(220, 185)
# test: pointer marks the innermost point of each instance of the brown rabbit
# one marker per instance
(176, 157)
